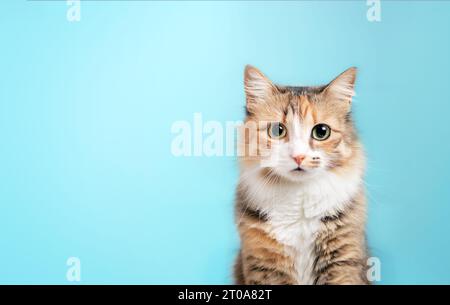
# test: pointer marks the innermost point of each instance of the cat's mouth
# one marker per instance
(298, 169)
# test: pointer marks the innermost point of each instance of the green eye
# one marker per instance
(277, 130)
(321, 132)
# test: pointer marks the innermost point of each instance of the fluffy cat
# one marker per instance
(300, 204)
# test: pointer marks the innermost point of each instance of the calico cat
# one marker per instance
(301, 219)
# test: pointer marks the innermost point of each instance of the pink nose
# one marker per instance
(299, 159)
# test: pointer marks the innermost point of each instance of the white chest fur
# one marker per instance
(295, 211)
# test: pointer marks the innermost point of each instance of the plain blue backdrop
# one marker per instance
(86, 110)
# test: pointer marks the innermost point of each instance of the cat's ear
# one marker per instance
(257, 86)
(342, 88)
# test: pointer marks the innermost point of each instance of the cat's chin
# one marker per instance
(296, 175)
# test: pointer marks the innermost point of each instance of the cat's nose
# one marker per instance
(298, 159)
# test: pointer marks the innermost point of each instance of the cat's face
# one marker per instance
(298, 133)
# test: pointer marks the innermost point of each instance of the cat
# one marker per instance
(301, 219)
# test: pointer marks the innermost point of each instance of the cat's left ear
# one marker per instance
(258, 88)
(342, 88)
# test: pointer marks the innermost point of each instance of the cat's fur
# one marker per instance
(305, 226)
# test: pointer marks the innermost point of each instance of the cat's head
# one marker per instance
(297, 133)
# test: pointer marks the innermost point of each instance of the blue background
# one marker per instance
(86, 111)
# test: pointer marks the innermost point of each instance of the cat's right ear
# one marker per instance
(258, 88)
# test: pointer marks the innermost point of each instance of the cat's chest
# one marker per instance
(294, 218)
(294, 215)
(290, 225)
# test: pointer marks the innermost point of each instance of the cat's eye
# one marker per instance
(277, 130)
(321, 132)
